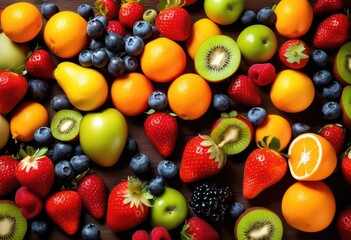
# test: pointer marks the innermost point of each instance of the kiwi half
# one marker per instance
(217, 58)
(13, 226)
(342, 64)
(258, 223)
(65, 125)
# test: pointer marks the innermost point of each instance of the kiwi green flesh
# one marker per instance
(13, 225)
(258, 223)
(217, 58)
(345, 103)
(232, 135)
(65, 125)
(343, 61)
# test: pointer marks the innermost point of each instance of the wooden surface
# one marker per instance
(232, 174)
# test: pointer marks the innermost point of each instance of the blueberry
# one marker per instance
(52, 155)
(134, 45)
(60, 102)
(322, 78)
(38, 89)
(85, 58)
(39, 227)
(256, 115)
(332, 91)
(236, 209)
(114, 42)
(96, 44)
(48, 9)
(331, 110)
(95, 28)
(158, 100)
(110, 53)
(131, 146)
(63, 150)
(142, 29)
(320, 57)
(100, 58)
(90, 232)
(102, 19)
(299, 128)
(155, 33)
(64, 171)
(140, 164)
(131, 63)
(248, 18)
(86, 11)
(43, 136)
(116, 66)
(80, 163)
(167, 169)
(220, 102)
(78, 150)
(157, 185)
(266, 16)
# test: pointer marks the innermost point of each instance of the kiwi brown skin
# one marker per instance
(342, 64)
(11, 214)
(65, 125)
(345, 104)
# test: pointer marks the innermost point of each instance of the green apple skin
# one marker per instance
(223, 12)
(4, 131)
(169, 210)
(257, 43)
(12, 55)
(103, 136)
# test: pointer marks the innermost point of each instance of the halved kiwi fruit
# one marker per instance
(342, 64)
(258, 223)
(217, 58)
(65, 125)
(13, 226)
(345, 104)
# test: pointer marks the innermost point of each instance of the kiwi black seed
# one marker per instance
(217, 58)
(13, 225)
(258, 223)
(65, 124)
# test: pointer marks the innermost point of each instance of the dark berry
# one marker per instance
(80, 163)
(331, 110)
(140, 164)
(221, 102)
(39, 227)
(319, 57)
(322, 78)
(60, 102)
(95, 28)
(236, 209)
(86, 11)
(134, 45)
(38, 89)
(158, 100)
(90, 232)
(167, 169)
(100, 58)
(266, 16)
(142, 29)
(114, 42)
(96, 44)
(157, 185)
(131, 146)
(299, 128)
(85, 58)
(63, 150)
(332, 91)
(49, 9)
(64, 171)
(116, 66)
(248, 18)
(130, 63)
(256, 115)
(43, 136)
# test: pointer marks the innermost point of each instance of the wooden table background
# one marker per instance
(232, 174)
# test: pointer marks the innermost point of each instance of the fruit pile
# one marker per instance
(151, 120)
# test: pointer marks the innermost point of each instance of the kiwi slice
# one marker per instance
(342, 64)
(217, 58)
(258, 223)
(65, 125)
(232, 135)
(345, 104)
(13, 226)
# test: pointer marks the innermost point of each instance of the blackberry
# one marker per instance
(211, 202)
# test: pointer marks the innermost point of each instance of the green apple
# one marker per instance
(257, 43)
(12, 55)
(169, 210)
(103, 136)
(4, 131)
(223, 12)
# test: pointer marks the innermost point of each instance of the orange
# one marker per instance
(26, 119)
(294, 18)
(274, 126)
(308, 206)
(162, 60)
(130, 93)
(21, 21)
(189, 96)
(65, 34)
(292, 91)
(311, 157)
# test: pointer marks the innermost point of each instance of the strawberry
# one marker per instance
(343, 224)
(162, 130)
(196, 228)
(160, 233)
(294, 53)
(29, 203)
(346, 166)
(332, 32)
(13, 87)
(264, 167)
(36, 171)
(243, 90)
(107, 8)
(130, 12)
(92, 190)
(117, 27)
(64, 208)
(262, 73)
(173, 21)
(201, 159)
(327, 6)
(8, 179)
(40, 64)
(141, 235)
(128, 205)
(336, 134)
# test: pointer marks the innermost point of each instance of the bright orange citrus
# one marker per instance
(311, 157)
(28, 117)
(130, 93)
(65, 34)
(21, 21)
(189, 96)
(162, 60)
(308, 206)
(292, 91)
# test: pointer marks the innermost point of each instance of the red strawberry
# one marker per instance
(243, 90)
(160, 233)
(196, 228)
(13, 88)
(141, 235)
(117, 27)
(108, 8)
(327, 6)
(294, 53)
(8, 179)
(336, 134)
(346, 166)
(130, 12)
(162, 130)
(36, 171)
(201, 159)
(173, 21)
(332, 32)
(128, 205)
(343, 224)
(262, 73)
(264, 167)
(40, 64)
(29, 203)
(92, 190)
(64, 208)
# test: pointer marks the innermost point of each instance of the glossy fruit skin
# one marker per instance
(141, 235)
(29, 203)
(160, 233)
(294, 53)
(198, 229)
(167, 169)
(335, 134)
(86, 11)
(299, 128)
(322, 78)
(39, 227)
(108, 8)
(48, 10)
(64, 171)
(346, 166)
(224, 12)
(157, 185)
(262, 73)
(331, 110)
(266, 16)
(332, 91)
(140, 164)
(130, 12)
(116, 27)
(319, 57)
(256, 115)
(8, 179)
(327, 6)
(343, 224)
(244, 91)
(90, 232)
(40, 64)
